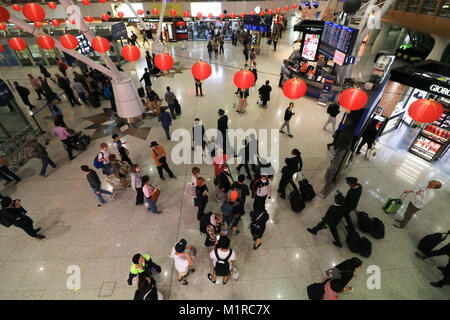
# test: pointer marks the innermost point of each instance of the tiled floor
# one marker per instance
(101, 241)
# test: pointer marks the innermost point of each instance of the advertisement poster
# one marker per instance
(310, 46)
(326, 91)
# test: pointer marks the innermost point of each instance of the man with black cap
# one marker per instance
(13, 212)
(352, 199)
(331, 219)
(159, 156)
(142, 263)
(183, 260)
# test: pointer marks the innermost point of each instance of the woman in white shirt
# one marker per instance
(182, 260)
(263, 189)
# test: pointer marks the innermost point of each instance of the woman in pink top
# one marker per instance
(148, 191)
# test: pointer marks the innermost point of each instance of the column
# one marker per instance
(385, 28)
(440, 43)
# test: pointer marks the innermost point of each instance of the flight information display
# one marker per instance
(337, 37)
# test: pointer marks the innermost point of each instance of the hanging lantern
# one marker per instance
(286, 8)
(17, 7)
(2, 26)
(294, 6)
(140, 12)
(155, 11)
(425, 110)
(252, 13)
(199, 15)
(86, 2)
(4, 14)
(46, 42)
(210, 15)
(38, 24)
(33, 12)
(120, 14)
(52, 5)
(164, 61)
(278, 10)
(222, 16)
(262, 13)
(242, 15)
(105, 17)
(201, 70)
(102, 1)
(294, 89)
(353, 99)
(269, 12)
(69, 41)
(244, 79)
(131, 52)
(55, 22)
(17, 44)
(173, 13)
(1, 48)
(186, 14)
(89, 19)
(100, 44)
(232, 15)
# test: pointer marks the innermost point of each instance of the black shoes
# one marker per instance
(39, 236)
(337, 244)
(311, 231)
(436, 285)
(37, 230)
(256, 247)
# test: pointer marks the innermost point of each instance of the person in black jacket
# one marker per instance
(347, 270)
(445, 250)
(95, 184)
(286, 177)
(331, 219)
(146, 78)
(225, 181)
(198, 134)
(201, 197)
(24, 93)
(352, 199)
(333, 111)
(242, 189)
(264, 93)
(369, 136)
(287, 117)
(13, 212)
(64, 84)
(222, 126)
(244, 155)
(259, 219)
(146, 288)
(296, 161)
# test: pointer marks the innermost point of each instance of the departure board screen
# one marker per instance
(337, 37)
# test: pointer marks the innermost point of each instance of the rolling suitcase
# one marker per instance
(306, 189)
(353, 240)
(364, 222)
(430, 241)
(296, 201)
(377, 228)
(393, 204)
(365, 247)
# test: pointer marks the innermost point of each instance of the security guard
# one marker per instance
(142, 263)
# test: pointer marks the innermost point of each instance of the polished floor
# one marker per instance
(101, 241)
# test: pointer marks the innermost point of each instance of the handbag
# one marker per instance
(155, 195)
(162, 159)
(190, 190)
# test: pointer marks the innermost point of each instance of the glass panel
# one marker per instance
(413, 5)
(24, 58)
(51, 56)
(445, 10)
(7, 57)
(11, 119)
(429, 6)
(36, 54)
(401, 5)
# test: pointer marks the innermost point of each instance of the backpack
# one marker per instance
(205, 221)
(334, 273)
(4, 221)
(316, 290)
(254, 225)
(377, 230)
(227, 211)
(107, 93)
(365, 247)
(429, 242)
(222, 267)
(354, 242)
(364, 222)
(98, 164)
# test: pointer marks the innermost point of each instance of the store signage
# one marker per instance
(349, 60)
(339, 57)
(440, 89)
(326, 90)
(119, 31)
(5, 93)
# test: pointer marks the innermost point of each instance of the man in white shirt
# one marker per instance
(103, 156)
(420, 198)
(183, 260)
(223, 259)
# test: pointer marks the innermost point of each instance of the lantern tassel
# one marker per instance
(417, 126)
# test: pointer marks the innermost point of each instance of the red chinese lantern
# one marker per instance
(46, 42)
(353, 99)
(294, 89)
(210, 15)
(164, 61)
(100, 44)
(52, 5)
(17, 44)
(261, 13)
(269, 12)
(140, 12)
(199, 15)
(69, 41)
(186, 14)
(17, 7)
(294, 6)
(1, 48)
(131, 52)
(244, 79)
(232, 15)
(222, 16)
(278, 10)
(286, 8)
(55, 22)
(173, 13)
(2, 26)
(105, 17)
(4, 14)
(38, 24)
(242, 15)
(89, 19)
(86, 2)
(252, 13)
(425, 110)
(33, 12)
(201, 70)
(102, 1)
(120, 14)
(155, 11)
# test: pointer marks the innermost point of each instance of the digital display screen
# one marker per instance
(206, 8)
(84, 47)
(310, 46)
(337, 37)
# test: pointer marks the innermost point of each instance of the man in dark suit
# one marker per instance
(24, 93)
(445, 250)
(264, 92)
(222, 126)
(332, 218)
(13, 212)
(146, 78)
(286, 177)
(352, 199)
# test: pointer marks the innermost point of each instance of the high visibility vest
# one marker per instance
(134, 270)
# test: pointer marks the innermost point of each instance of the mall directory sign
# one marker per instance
(337, 37)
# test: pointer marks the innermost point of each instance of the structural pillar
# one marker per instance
(381, 38)
(440, 44)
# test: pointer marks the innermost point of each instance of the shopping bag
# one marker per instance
(190, 190)
(235, 273)
(371, 153)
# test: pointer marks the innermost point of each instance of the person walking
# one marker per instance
(149, 191)
(149, 60)
(209, 46)
(262, 190)
(286, 177)
(56, 113)
(143, 266)
(225, 182)
(244, 155)
(144, 38)
(216, 48)
(159, 157)
(223, 259)
(254, 71)
(103, 157)
(95, 184)
(64, 84)
(258, 226)
(242, 189)
(36, 150)
(147, 289)
(222, 126)
(166, 122)
(136, 184)
(287, 117)
(118, 145)
(153, 101)
(264, 93)
(221, 43)
(252, 56)
(201, 197)
(369, 136)
(7, 174)
(183, 260)
(198, 85)
(296, 160)
(331, 219)
(445, 250)
(212, 223)
(243, 94)
(15, 214)
(421, 197)
(24, 93)
(65, 137)
(170, 98)
(246, 53)
(146, 77)
(79, 88)
(198, 134)
(36, 86)
(275, 40)
(46, 74)
(62, 67)
(352, 199)
(283, 72)
(333, 111)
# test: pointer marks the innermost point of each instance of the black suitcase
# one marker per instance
(354, 242)
(141, 92)
(364, 222)
(430, 241)
(297, 203)
(365, 247)
(177, 107)
(377, 228)
(94, 101)
(306, 189)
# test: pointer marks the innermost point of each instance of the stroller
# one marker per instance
(80, 141)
